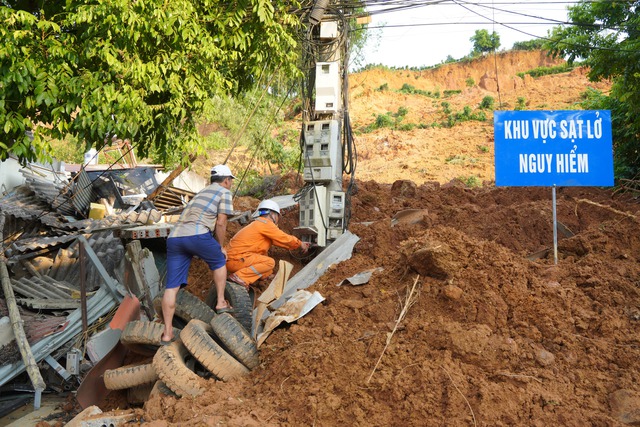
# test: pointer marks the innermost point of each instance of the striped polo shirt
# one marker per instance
(200, 215)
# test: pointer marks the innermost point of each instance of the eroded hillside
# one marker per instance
(468, 321)
(465, 150)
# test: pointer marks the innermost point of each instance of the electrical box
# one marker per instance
(73, 361)
(336, 210)
(328, 89)
(329, 29)
(321, 150)
(313, 213)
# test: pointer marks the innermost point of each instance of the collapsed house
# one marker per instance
(83, 259)
(77, 240)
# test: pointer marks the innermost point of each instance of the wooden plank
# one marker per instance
(21, 338)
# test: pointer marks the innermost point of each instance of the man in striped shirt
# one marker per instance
(204, 217)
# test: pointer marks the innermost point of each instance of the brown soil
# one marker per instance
(489, 337)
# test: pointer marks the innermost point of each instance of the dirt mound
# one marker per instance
(470, 321)
(489, 337)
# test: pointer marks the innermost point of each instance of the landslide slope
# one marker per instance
(462, 325)
(439, 153)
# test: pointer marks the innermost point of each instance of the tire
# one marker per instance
(129, 376)
(197, 339)
(139, 394)
(235, 340)
(239, 298)
(188, 307)
(144, 337)
(160, 388)
(169, 362)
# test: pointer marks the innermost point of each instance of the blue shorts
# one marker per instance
(180, 251)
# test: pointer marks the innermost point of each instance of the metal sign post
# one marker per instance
(555, 227)
(553, 148)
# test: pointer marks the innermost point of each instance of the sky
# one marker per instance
(426, 35)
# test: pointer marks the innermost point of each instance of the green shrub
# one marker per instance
(471, 181)
(402, 111)
(470, 82)
(535, 44)
(543, 71)
(487, 103)
(384, 121)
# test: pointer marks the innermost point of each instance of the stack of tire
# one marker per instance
(206, 344)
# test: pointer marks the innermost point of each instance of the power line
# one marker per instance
(457, 23)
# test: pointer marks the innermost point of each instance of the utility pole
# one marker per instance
(324, 207)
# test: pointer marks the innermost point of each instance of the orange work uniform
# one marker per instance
(247, 250)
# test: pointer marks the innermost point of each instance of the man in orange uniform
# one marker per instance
(247, 259)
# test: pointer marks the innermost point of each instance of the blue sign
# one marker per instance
(547, 148)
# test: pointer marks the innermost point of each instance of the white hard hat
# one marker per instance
(265, 206)
(221, 170)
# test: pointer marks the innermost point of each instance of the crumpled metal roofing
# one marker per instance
(23, 203)
(34, 243)
(56, 194)
(83, 193)
(108, 248)
(97, 306)
(42, 287)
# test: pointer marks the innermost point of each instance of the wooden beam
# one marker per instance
(21, 338)
(168, 180)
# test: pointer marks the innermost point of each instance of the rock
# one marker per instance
(489, 83)
(625, 406)
(452, 292)
(404, 188)
(352, 303)
(544, 357)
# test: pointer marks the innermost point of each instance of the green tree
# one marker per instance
(604, 36)
(484, 42)
(535, 44)
(139, 70)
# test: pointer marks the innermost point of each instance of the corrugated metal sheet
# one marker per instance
(23, 203)
(16, 229)
(42, 287)
(336, 252)
(55, 194)
(97, 306)
(56, 305)
(35, 243)
(109, 250)
(83, 194)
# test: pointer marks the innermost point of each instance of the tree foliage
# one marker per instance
(141, 70)
(535, 44)
(483, 42)
(605, 36)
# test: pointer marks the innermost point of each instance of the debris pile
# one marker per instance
(70, 263)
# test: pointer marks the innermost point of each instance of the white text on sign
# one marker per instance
(550, 129)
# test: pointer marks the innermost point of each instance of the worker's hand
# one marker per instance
(224, 252)
(305, 246)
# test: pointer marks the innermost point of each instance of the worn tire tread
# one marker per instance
(169, 362)
(144, 337)
(236, 340)
(188, 307)
(239, 299)
(129, 376)
(214, 358)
